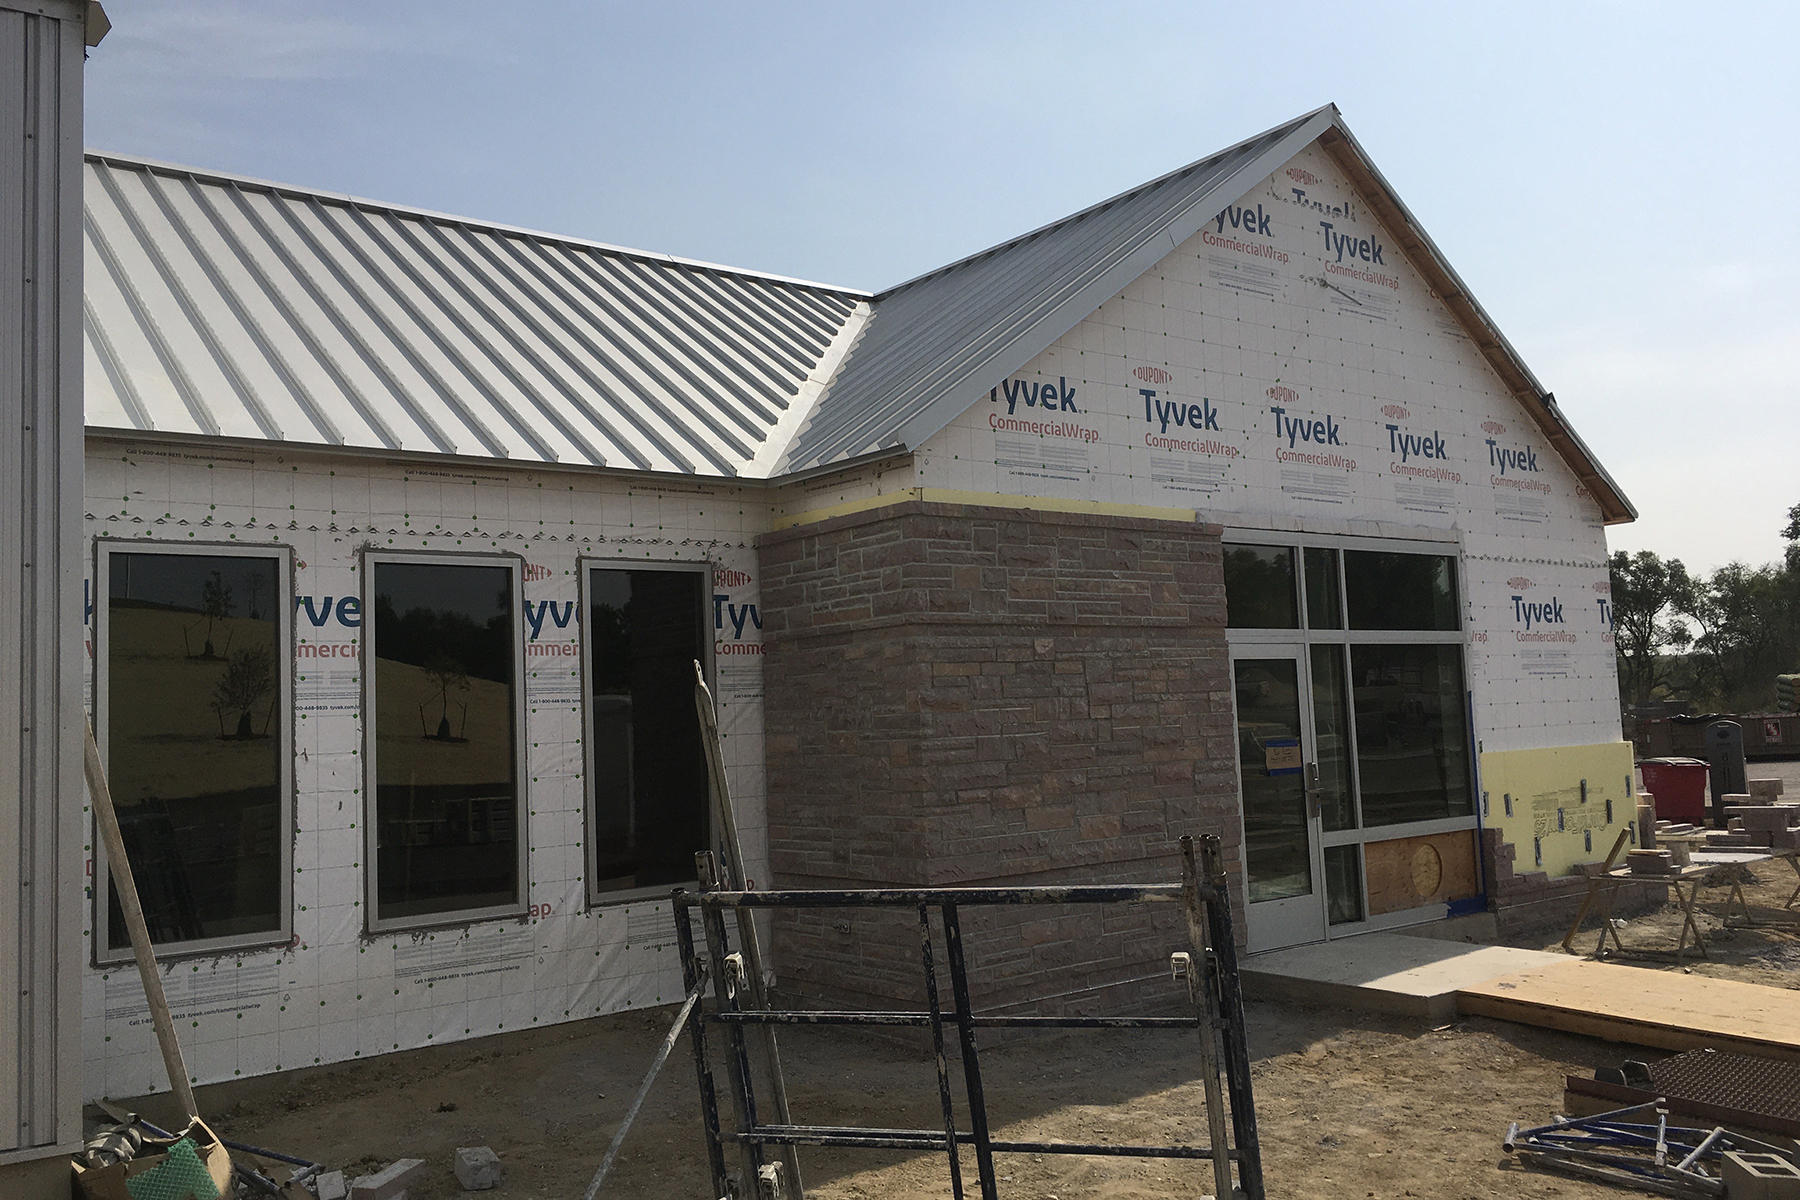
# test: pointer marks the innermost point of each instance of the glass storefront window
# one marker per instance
(443, 669)
(645, 631)
(1323, 610)
(196, 737)
(1400, 591)
(1259, 588)
(1331, 732)
(1343, 885)
(1411, 740)
(1277, 854)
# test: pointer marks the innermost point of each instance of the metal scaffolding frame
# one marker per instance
(1209, 966)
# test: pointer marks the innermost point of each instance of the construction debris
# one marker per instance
(389, 1183)
(477, 1169)
(1636, 1147)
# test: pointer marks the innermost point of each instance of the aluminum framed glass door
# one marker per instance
(1278, 780)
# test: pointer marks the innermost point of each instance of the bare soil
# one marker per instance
(1348, 1105)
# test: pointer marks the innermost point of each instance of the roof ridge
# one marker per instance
(1276, 132)
(208, 175)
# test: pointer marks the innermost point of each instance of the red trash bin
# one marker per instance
(1679, 785)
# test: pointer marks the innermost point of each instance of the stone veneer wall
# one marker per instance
(960, 695)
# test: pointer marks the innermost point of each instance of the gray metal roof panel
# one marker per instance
(938, 343)
(226, 307)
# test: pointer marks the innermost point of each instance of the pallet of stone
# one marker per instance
(1720, 839)
(1762, 816)
(1650, 862)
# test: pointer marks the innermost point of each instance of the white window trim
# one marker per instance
(104, 549)
(373, 922)
(590, 842)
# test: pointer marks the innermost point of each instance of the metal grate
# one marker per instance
(1757, 1085)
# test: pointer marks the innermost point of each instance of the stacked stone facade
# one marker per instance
(962, 695)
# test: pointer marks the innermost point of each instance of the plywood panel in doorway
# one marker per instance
(1413, 872)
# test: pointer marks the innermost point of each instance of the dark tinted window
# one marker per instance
(1259, 588)
(1400, 591)
(446, 790)
(645, 631)
(195, 741)
(1412, 744)
(1323, 609)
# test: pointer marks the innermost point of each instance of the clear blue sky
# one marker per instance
(1615, 181)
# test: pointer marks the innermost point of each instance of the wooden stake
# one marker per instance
(107, 821)
(733, 859)
(1588, 900)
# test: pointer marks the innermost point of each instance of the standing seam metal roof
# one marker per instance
(938, 343)
(235, 308)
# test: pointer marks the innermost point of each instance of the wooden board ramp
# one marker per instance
(1644, 1007)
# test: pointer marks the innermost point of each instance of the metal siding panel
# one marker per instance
(15, 212)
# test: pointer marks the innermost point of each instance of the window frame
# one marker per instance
(1443, 545)
(584, 566)
(373, 923)
(105, 548)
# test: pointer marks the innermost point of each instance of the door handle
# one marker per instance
(1313, 790)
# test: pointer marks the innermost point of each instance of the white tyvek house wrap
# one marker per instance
(336, 994)
(1265, 309)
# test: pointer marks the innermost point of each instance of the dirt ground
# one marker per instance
(1348, 1105)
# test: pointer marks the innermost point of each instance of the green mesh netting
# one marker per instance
(181, 1176)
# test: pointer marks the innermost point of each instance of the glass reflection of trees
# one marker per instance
(1412, 742)
(1259, 588)
(194, 751)
(446, 748)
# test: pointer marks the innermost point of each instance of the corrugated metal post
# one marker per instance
(42, 45)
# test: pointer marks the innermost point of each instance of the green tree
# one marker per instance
(1648, 596)
(249, 676)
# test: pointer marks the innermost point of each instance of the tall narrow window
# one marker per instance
(645, 630)
(444, 725)
(194, 703)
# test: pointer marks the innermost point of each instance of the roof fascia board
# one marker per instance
(964, 393)
(475, 462)
(135, 162)
(1345, 151)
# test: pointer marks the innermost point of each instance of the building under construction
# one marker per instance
(1218, 507)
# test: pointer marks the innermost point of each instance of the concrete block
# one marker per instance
(1784, 839)
(1765, 816)
(389, 1183)
(478, 1168)
(1764, 791)
(331, 1186)
(1760, 1177)
(1650, 862)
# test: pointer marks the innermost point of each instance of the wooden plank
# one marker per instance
(1644, 1007)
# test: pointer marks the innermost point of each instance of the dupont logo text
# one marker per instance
(1155, 375)
(1494, 428)
(1518, 583)
(1394, 411)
